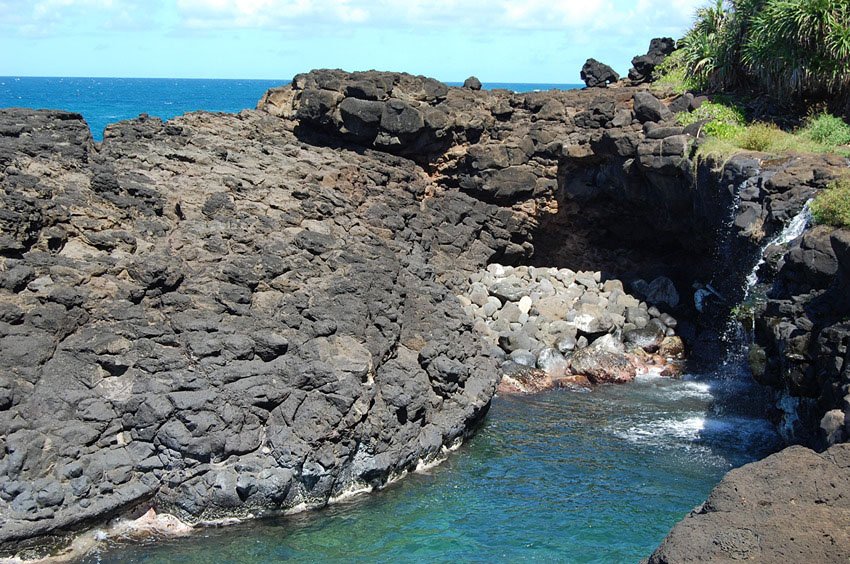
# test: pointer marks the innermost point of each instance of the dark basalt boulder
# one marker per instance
(508, 183)
(472, 83)
(361, 118)
(790, 507)
(840, 240)
(395, 112)
(644, 65)
(400, 118)
(812, 263)
(596, 74)
(649, 108)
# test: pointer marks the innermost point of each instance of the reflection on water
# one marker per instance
(597, 477)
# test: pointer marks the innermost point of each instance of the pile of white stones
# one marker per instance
(542, 317)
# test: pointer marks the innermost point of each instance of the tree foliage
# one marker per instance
(798, 48)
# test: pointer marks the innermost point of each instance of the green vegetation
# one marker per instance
(745, 313)
(827, 129)
(709, 49)
(672, 74)
(832, 206)
(797, 48)
(795, 51)
(728, 132)
(723, 120)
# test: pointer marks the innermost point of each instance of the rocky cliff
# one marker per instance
(227, 315)
(214, 318)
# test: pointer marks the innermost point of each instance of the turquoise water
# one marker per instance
(565, 477)
(102, 101)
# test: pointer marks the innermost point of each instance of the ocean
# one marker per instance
(102, 101)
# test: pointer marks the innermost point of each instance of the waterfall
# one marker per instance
(736, 394)
(791, 231)
(787, 405)
(735, 333)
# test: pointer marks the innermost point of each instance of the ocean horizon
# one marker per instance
(104, 100)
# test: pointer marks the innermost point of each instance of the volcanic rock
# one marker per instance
(596, 74)
(644, 65)
(791, 506)
(472, 83)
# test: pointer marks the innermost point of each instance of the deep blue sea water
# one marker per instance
(102, 101)
(558, 477)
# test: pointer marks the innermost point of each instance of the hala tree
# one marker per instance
(798, 48)
(801, 47)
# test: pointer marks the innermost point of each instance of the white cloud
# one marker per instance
(604, 18)
(266, 13)
(52, 9)
(46, 17)
(476, 14)
(617, 17)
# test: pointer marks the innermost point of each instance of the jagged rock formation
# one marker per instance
(211, 317)
(791, 506)
(224, 315)
(644, 65)
(595, 74)
(800, 306)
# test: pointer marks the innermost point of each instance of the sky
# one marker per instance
(536, 41)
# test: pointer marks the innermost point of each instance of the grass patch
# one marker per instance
(760, 137)
(722, 121)
(672, 74)
(832, 205)
(728, 132)
(827, 129)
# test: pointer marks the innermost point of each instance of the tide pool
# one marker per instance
(557, 477)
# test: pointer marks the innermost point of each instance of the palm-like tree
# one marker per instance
(788, 47)
(801, 47)
(703, 46)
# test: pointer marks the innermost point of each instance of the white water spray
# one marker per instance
(792, 230)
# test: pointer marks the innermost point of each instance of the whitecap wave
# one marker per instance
(663, 432)
(689, 390)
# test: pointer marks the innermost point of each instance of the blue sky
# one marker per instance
(496, 40)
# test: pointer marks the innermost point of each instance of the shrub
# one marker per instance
(672, 74)
(827, 129)
(708, 47)
(724, 121)
(800, 47)
(832, 205)
(760, 137)
(789, 48)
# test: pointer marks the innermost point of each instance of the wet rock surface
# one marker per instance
(797, 301)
